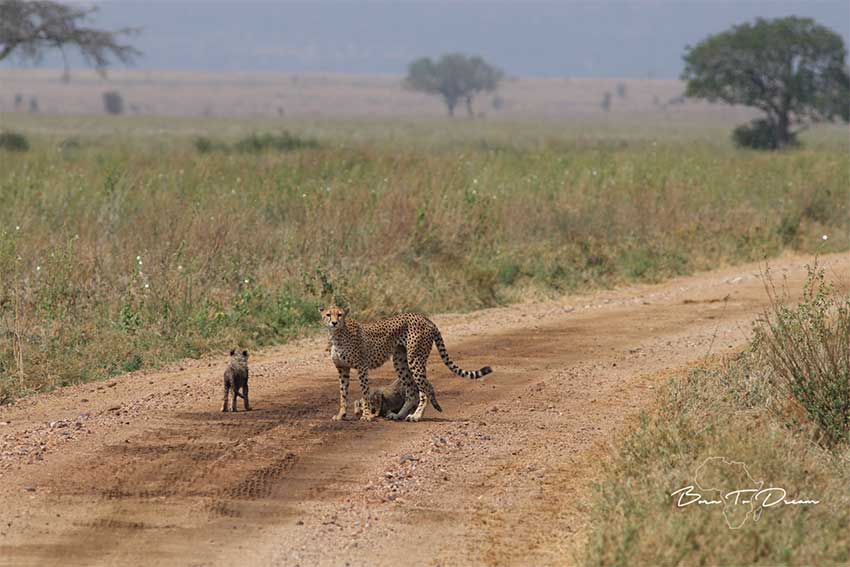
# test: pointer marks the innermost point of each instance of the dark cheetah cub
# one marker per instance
(387, 400)
(236, 378)
(407, 339)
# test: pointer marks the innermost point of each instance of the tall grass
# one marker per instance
(762, 408)
(114, 258)
(719, 411)
(808, 348)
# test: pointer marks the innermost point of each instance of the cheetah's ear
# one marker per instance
(345, 311)
(245, 353)
(232, 352)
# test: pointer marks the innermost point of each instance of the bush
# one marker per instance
(206, 145)
(113, 102)
(808, 348)
(257, 143)
(14, 142)
(758, 135)
(283, 142)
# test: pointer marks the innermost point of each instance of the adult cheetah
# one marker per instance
(407, 339)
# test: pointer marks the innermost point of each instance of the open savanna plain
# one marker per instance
(127, 254)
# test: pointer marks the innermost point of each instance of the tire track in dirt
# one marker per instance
(500, 478)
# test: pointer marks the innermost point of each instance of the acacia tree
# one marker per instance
(792, 69)
(28, 29)
(455, 77)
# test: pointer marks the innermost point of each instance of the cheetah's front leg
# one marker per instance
(226, 396)
(369, 410)
(343, 393)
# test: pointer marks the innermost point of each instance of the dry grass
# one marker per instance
(808, 348)
(124, 251)
(765, 408)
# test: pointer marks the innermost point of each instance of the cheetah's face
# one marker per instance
(239, 356)
(333, 316)
(377, 401)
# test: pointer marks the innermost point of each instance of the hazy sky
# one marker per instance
(579, 39)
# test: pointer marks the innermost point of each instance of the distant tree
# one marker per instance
(621, 90)
(28, 29)
(792, 69)
(455, 77)
(606, 102)
(113, 102)
(33, 104)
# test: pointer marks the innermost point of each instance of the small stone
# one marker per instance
(29, 488)
(406, 458)
(299, 523)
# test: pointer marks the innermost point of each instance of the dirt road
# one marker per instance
(144, 469)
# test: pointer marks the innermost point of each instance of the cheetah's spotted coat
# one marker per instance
(407, 339)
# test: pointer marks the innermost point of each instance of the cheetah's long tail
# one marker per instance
(472, 374)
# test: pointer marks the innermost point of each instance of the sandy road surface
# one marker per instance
(143, 469)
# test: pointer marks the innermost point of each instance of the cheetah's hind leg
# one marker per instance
(410, 403)
(426, 391)
(402, 370)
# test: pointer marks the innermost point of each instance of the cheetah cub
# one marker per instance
(386, 400)
(407, 339)
(236, 378)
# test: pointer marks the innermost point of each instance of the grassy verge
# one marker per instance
(771, 410)
(117, 257)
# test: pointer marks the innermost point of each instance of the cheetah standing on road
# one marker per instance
(406, 338)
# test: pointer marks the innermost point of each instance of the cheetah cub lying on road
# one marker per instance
(386, 400)
(236, 378)
(407, 339)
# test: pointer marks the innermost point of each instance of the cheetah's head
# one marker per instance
(377, 400)
(239, 357)
(333, 316)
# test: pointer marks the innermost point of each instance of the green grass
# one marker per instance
(257, 143)
(776, 409)
(126, 250)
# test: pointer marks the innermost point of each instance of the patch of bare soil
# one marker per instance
(144, 469)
